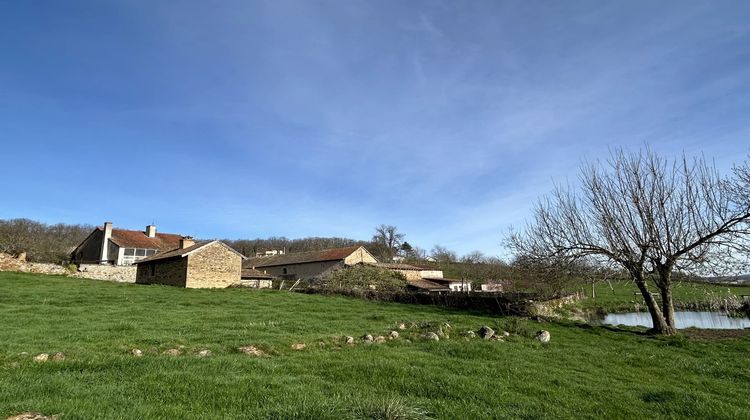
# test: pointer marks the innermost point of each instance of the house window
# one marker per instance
(140, 252)
(285, 270)
(150, 252)
(129, 252)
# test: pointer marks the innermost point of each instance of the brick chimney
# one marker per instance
(104, 257)
(186, 241)
(151, 231)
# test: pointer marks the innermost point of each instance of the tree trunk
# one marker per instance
(667, 303)
(659, 324)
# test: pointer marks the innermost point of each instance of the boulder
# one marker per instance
(401, 326)
(349, 339)
(58, 357)
(205, 353)
(31, 416)
(172, 352)
(393, 335)
(486, 332)
(542, 336)
(380, 339)
(430, 336)
(298, 346)
(136, 352)
(470, 334)
(41, 357)
(367, 338)
(252, 351)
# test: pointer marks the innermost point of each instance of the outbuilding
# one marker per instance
(210, 264)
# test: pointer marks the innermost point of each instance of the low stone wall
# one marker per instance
(117, 273)
(11, 263)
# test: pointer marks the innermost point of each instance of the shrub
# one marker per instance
(365, 277)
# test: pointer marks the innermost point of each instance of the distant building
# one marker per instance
(422, 285)
(270, 252)
(311, 265)
(106, 245)
(256, 279)
(455, 285)
(193, 265)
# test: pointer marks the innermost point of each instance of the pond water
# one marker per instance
(683, 319)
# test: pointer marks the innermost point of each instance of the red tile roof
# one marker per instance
(181, 252)
(301, 257)
(138, 239)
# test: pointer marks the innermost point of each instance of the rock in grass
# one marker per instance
(506, 334)
(172, 352)
(367, 338)
(401, 326)
(379, 339)
(41, 357)
(486, 332)
(252, 351)
(136, 352)
(470, 334)
(204, 353)
(59, 357)
(431, 336)
(31, 416)
(349, 340)
(393, 335)
(298, 346)
(542, 336)
(23, 353)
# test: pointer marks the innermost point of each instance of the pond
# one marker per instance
(683, 319)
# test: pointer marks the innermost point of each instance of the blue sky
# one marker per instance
(244, 119)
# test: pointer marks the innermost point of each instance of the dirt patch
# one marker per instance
(31, 416)
(252, 351)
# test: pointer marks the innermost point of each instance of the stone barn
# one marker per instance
(196, 265)
(311, 265)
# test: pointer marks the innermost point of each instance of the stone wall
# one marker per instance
(11, 263)
(171, 272)
(304, 271)
(256, 283)
(214, 265)
(361, 255)
(120, 273)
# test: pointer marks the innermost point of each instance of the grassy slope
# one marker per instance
(591, 371)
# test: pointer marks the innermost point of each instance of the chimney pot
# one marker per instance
(151, 231)
(186, 242)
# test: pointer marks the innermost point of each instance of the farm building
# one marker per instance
(106, 245)
(454, 285)
(411, 272)
(422, 285)
(194, 265)
(256, 279)
(310, 265)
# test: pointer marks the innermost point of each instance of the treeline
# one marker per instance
(41, 242)
(249, 247)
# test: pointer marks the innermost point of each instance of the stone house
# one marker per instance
(411, 272)
(106, 245)
(312, 265)
(195, 265)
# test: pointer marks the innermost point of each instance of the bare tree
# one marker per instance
(387, 240)
(646, 214)
(442, 254)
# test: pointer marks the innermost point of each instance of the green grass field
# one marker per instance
(620, 298)
(584, 372)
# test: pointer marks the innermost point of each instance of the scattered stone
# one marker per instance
(506, 334)
(470, 334)
(31, 416)
(23, 353)
(431, 336)
(393, 335)
(298, 346)
(252, 351)
(496, 338)
(181, 347)
(349, 339)
(380, 339)
(401, 326)
(136, 352)
(542, 336)
(204, 353)
(367, 338)
(447, 325)
(172, 352)
(42, 357)
(59, 357)
(486, 332)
